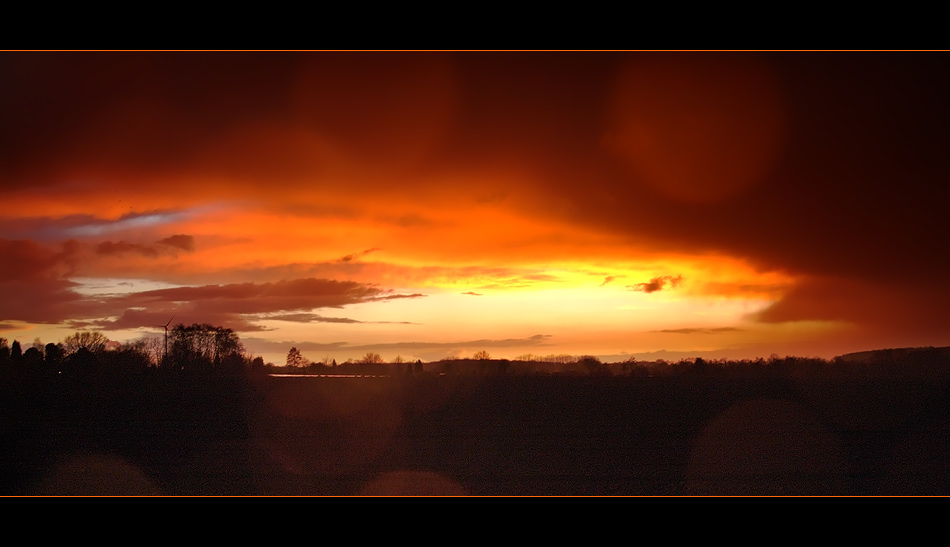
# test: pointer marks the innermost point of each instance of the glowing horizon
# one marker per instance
(436, 204)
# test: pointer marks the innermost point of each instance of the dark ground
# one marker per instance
(517, 435)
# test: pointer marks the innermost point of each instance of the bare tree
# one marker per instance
(593, 365)
(372, 359)
(204, 345)
(152, 346)
(92, 341)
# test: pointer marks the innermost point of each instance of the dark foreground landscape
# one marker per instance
(690, 434)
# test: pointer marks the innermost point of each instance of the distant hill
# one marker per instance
(893, 354)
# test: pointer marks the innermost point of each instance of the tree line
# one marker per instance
(197, 348)
(371, 363)
(905, 363)
(210, 349)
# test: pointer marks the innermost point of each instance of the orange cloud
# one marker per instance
(170, 244)
(657, 284)
(777, 186)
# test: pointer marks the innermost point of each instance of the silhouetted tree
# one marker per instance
(4, 353)
(93, 341)
(227, 344)
(53, 357)
(128, 359)
(295, 359)
(32, 360)
(203, 347)
(481, 355)
(151, 346)
(372, 359)
(16, 353)
(82, 363)
(593, 365)
(232, 363)
(316, 367)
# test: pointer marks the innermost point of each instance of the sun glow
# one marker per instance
(635, 200)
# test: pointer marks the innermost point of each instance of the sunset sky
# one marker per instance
(434, 204)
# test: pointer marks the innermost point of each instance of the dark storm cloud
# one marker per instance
(51, 230)
(354, 256)
(259, 298)
(309, 318)
(40, 300)
(131, 115)
(133, 319)
(34, 289)
(181, 242)
(836, 299)
(122, 247)
(857, 187)
(46, 229)
(168, 245)
(855, 191)
(139, 319)
(25, 259)
(905, 313)
(657, 284)
(33, 284)
(120, 112)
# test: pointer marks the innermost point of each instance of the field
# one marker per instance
(468, 435)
